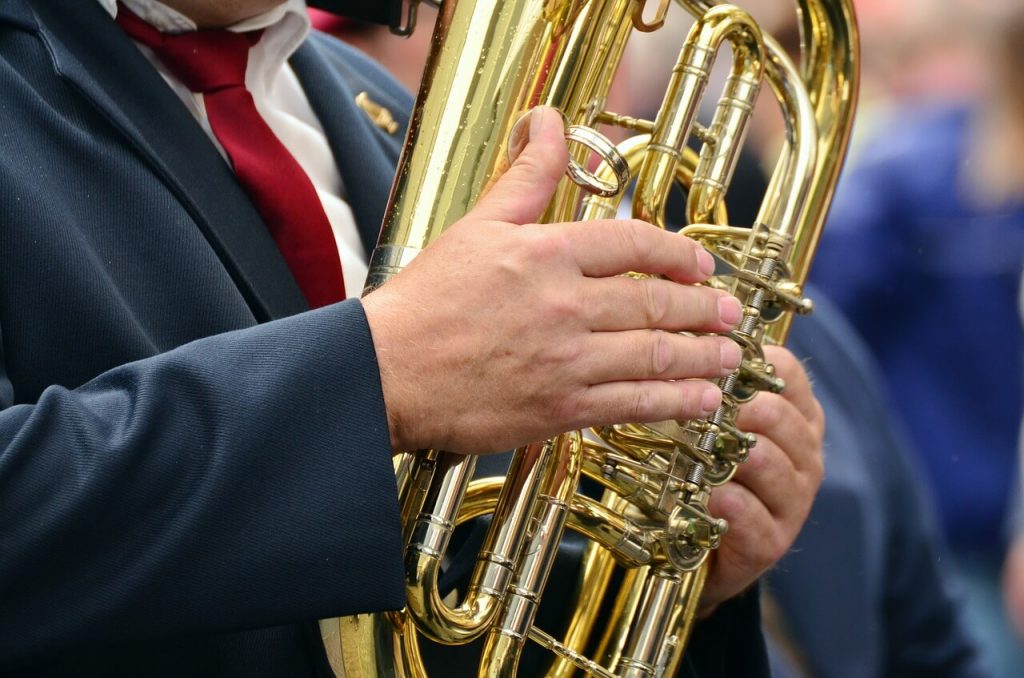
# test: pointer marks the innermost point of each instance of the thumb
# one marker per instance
(522, 193)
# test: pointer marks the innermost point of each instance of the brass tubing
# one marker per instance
(719, 156)
(627, 602)
(592, 586)
(683, 618)
(496, 559)
(786, 200)
(595, 521)
(591, 49)
(831, 79)
(427, 542)
(648, 635)
(686, 90)
(632, 150)
(785, 203)
(561, 473)
(469, 101)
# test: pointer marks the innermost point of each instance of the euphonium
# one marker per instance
(492, 60)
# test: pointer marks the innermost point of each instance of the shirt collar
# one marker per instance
(285, 27)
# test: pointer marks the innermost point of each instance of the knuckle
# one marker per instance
(654, 300)
(530, 164)
(547, 244)
(563, 356)
(756, 458)
(777, 546)
(560, 307)
(641, 405)
(630, 234)
(660, 354)
(570, 410)
(786, 364)
(691, 400)
(770, 410)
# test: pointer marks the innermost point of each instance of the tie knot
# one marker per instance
(204, 60)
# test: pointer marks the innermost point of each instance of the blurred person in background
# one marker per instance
(866, 591)
(923, 250)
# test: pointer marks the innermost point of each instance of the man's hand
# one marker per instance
(771, 494)
(1013, 585)
(504, 332)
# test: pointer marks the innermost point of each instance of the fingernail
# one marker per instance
(536, 122)
(711, 399)
(520, 135)
(731, 355)
(729, 310)
(705, 262)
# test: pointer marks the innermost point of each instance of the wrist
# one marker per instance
(382, 333)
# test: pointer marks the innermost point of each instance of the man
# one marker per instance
(186, 454)
(929, 277)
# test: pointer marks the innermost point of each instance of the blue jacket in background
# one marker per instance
(865, 590)
(930, 281)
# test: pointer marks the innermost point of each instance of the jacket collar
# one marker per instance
(95, 57)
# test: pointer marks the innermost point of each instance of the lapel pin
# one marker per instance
(379, 116)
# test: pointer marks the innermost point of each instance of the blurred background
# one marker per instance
(923, 252)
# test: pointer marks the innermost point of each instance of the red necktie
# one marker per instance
(213, 62)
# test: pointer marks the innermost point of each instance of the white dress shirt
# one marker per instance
(281, 101)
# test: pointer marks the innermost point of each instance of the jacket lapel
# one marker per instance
(90, 52)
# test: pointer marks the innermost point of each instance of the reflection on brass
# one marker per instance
(379, 116)
(492, 60)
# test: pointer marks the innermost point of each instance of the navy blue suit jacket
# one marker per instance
(183, 454)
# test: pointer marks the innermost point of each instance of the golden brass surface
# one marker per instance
(493, 60)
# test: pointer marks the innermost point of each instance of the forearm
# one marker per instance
(239, 481)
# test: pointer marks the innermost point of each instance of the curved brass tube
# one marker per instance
(679, 110)
(561, 474)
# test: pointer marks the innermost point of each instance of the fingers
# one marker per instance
(754, 542)
(641, 355)
(624, 303)
(784, 492)
(610, 247)
(784, 469)
(523, 192)
(774, 418)
(798, 384)
(642, 401)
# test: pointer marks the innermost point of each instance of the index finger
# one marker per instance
(610, 247)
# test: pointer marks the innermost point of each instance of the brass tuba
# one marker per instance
(492, 60)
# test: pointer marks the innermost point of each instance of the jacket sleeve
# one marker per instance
(240, 481)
